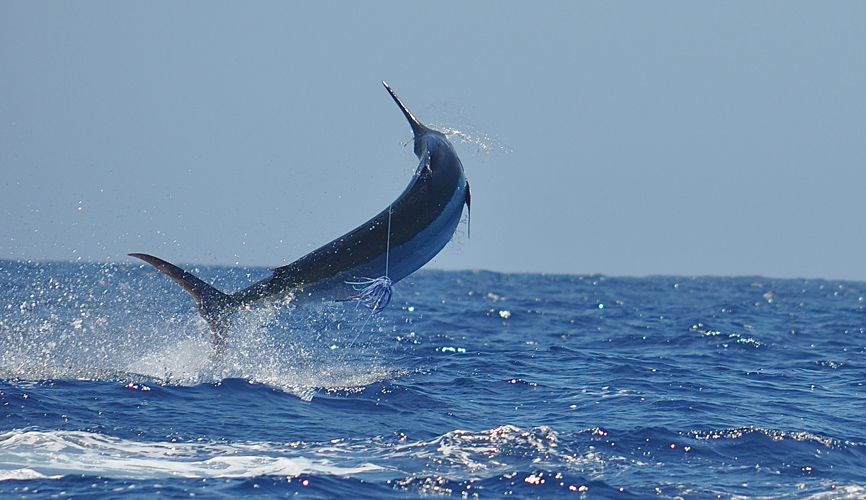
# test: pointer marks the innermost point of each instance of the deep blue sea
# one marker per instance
(470, 385)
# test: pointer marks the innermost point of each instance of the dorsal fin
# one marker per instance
(468, 199)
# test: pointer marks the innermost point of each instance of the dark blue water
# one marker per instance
(471, 385)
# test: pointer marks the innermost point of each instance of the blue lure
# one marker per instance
(375, 294)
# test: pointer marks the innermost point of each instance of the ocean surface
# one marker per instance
(470, 385)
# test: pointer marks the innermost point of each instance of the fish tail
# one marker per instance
(214, 306)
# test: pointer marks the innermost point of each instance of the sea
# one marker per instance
(471, 384)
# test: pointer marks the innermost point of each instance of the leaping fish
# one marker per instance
(399, 240)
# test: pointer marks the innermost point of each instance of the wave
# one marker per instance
(499, 461)
(27, 454)
(33, 454)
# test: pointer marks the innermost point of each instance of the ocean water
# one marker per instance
(470, 385)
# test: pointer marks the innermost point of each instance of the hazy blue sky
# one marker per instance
(626, 138)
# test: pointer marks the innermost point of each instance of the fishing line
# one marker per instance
(388, 245)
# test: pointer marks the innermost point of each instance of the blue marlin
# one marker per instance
(398, 241)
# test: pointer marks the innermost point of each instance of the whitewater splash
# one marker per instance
(95, 326)
(295, 351)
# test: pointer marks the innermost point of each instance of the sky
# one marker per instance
(622, 138)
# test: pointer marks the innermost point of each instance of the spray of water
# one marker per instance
(105, 322)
